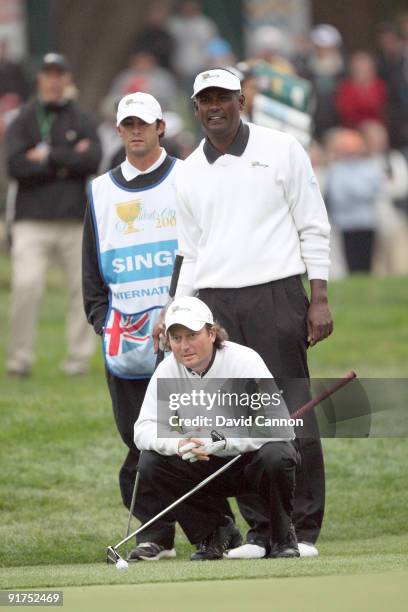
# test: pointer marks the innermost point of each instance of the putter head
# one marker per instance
(111, 555)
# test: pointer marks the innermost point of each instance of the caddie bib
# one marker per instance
(136, 242)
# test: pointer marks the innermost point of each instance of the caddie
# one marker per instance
(130, 238)
(129, 244)
(267, 465)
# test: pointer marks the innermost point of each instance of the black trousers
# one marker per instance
(268, 472)
(271, 319)
(127, 399)
(358, 249)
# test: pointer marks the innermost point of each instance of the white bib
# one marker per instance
(136, 240)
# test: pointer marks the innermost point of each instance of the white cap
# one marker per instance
(326, 35)
(217, 77)
(190, 312)
(141, 105)
(268, 38)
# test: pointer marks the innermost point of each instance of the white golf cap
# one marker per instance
(141, 105)
(325, 35)
(218, 77)
(190, 312)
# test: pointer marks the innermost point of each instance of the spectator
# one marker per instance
(144, 74)
(219, 53)
(268, 44)
(362, 95)
(108, 134)
(192, 32)
(154, 37)
(391, 250)
(393, 69)
(13, 80)
(249, 89)
(352, 187)
(52, 149)
(325, 68)
(13, 92)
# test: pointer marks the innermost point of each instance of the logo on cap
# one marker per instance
(207, 75)
(177, 308)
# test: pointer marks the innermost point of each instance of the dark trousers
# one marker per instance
(127, 398)
(268, 472)
(358, 249)
(271, 319)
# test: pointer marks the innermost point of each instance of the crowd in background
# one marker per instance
(359, 145)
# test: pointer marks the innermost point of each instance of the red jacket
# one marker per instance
(355, 104)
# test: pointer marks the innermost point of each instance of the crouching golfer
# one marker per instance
(267, 466)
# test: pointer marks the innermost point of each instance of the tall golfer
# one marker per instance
(267, 465)
(251, 222)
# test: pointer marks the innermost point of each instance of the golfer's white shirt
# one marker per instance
(231, 361)
(251, 219)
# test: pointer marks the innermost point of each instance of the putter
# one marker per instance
(160, 356)
(112, 554)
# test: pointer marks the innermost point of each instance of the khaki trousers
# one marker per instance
(37, 244)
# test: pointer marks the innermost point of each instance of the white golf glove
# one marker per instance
(209, 447)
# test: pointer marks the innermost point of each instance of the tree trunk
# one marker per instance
(97, 37)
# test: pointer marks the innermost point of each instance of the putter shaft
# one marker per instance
(178, 501)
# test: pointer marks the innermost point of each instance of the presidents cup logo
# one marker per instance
(128, 212)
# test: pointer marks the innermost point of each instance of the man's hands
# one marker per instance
(158, 331)
(39, 153)
(319, 319)
(82, 145)
(195, 449)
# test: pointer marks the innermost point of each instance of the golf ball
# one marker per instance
(121, 564)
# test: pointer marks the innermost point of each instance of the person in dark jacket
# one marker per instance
(52, 148)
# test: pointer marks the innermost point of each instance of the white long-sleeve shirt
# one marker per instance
(252, 218)
(231, 361)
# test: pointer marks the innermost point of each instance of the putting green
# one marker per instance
(374, 592)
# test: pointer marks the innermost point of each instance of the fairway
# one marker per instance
(61, 507)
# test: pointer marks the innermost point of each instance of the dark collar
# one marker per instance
(143, 181)
(204, 372)
(237, 147)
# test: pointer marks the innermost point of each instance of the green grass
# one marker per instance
(60, 455)
(331, 594)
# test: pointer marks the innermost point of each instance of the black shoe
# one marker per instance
(216, 543)
(287, 549)
(150, 551)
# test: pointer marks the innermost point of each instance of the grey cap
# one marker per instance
(54, 60)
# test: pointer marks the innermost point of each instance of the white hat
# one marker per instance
(217, 77)
(326, 35)
(141, 105)
(190, 312)
(268, 38)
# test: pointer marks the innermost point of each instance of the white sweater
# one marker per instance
(232, 361)
(250, 219)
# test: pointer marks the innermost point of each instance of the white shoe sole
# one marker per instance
(246, 551)
(164, 554)
(307, 550)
